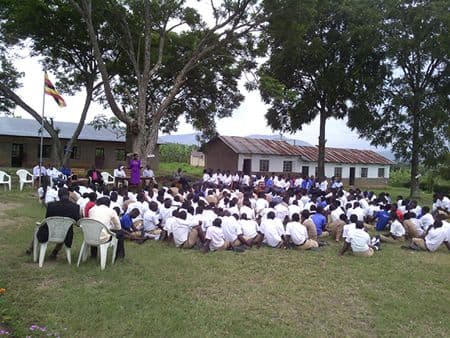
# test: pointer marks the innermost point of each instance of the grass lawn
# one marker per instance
(163, 291)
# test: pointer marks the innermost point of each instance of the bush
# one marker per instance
(442, 187)
(173, 152)
(400, 178)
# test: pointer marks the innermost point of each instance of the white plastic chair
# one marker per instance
(23, 178)
(57, 231)
(108, 178)
(92, 230)
(5, 179)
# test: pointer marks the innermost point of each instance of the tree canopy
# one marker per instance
(168, 61)
(64, 52)
(322, 56)
(414, 114)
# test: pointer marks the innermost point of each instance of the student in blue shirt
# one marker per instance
(320, 221)
(382, 218)
(126, 222)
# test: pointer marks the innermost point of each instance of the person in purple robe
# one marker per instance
(135, 166)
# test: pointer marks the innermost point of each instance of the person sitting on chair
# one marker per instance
(63, 208)
(120, 175)
(95, 176)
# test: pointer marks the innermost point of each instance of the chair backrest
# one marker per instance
(92, 230)
(4, 177)
(22, 173)
(106, 176)
(58, 227)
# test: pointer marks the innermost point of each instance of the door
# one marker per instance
(351, 178)
(305, 170)
(99, 157)
(16, 155)
(247, 167)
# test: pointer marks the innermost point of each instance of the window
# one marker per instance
(305, 170)
(380, 172)
(46, 151)
(338, 172)
(263, 165)
(99, 152)
(120, 154)
(364, 172)
(73, 152)
(287, 166)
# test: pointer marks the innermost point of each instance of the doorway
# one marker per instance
(351, 178)
(16, 155)
(99, 158)
(247, 167)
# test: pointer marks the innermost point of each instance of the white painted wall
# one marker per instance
(275, 162)
(276, 165)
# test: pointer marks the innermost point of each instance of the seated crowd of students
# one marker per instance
(238, 212)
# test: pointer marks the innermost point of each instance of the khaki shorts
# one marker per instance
(367, 253)
(309, 244)
(420, 242)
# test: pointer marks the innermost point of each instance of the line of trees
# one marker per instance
(380, 64)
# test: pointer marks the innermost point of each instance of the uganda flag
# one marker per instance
(50, 89)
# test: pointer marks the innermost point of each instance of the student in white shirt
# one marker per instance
(359, 241)
(185, 232)
(397, 231)
(427, 219)
(232, 231)
(151, 221)
(434, 238)
(273, 231)
(214, 238)
(349, 227)
(250, 231)
(297, 234)
(412, 225)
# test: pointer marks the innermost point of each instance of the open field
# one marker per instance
(163, 291)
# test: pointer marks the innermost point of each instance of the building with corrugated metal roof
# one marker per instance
(353, 166)
(20, 140)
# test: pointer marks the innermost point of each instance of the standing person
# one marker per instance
(135, 165)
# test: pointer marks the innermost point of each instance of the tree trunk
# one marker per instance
(322, 141)
(57, 153)
(414, 192)
(151, 145)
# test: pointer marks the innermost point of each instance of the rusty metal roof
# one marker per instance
(344, 155)
(245, 145)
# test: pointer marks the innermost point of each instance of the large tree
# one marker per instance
(414, 116)
(172, 62)
(323, 54)
(36, 25)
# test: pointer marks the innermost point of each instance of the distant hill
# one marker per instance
(388, 154)
(277, 138)
(187, 139)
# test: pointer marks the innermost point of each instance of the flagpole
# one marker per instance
(41, 147)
